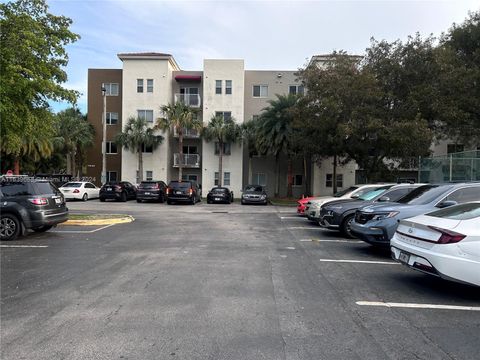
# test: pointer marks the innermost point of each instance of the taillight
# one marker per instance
(39, 201)
(168, 190)
(157, 186)
(190, 191)
(76, 191)
(448, 236)
(118, 188)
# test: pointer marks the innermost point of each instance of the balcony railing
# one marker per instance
(187, 133)
(189, 160)
(192, 100)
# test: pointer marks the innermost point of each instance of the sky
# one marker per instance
(275, 35)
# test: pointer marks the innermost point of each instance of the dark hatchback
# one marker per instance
(220, 195)
(152, 190)
(254, 194)
(120, 191)
(27, 203)
(183, 191)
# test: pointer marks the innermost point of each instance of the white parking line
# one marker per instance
(332, 240)
(361, 261)
(290, 248)
(23, 246)
(417, 306)
(292, 217)
(304, 228)
(81, 232)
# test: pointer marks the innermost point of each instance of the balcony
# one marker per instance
(189, 160)
(187, 133)
(192, 100)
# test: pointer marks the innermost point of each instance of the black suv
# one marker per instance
(152, 190)
(26, 203)
(118, 190)
(183, 191)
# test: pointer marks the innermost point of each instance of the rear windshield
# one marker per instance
(27, 188)
(372, 194)
(180, 185)
(253, 188)
(219, 190)
(148, 184)
(459, 212)
(345, 191)
(424, 194)
(73, 184)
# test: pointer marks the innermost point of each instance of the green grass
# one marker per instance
(95, 216)
(283, 202)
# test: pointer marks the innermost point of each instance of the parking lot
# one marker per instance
(222, 282)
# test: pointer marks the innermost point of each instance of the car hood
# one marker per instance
(347, 204)
(405, 210)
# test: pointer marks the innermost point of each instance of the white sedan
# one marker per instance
(79, 190)
(445, 243)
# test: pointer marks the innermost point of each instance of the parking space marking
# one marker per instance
(81, 232)
(304, 228)
(292, 217)
(417, 306)
(290, 248)
(332, 240)
(23, 246)
(361, 261)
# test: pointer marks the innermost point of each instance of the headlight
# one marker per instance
(385, 215)
(263, 197)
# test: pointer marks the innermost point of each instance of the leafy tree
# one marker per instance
(135, 135)
(179, 117)
(249, 138)
(32, 44)
(222, 131)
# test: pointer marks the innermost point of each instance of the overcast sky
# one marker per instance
(266, 34)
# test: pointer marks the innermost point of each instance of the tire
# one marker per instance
(209, 201)
(9, 227)
(345, 227)
(243, 202)
(123, 197)
(102, 200)
(139, 201)
(85, 197)
(42, 228)
(162, 198)
(193, 201)
(169, 202)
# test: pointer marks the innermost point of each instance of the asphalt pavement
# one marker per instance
(222, 282)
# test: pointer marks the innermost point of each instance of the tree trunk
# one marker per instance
(220, 163)
(69, 163)
(289, 177)
(277, 175)
(180, 150)
(140, 164)
(334, 175)
(74, 167)
(16, 166)
(249, 169)
(305, 176)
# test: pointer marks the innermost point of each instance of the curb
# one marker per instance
(100, 222)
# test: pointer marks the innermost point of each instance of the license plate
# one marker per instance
(403, 257)
(216, 199)
(178, 193)
(147, 193)
(58, 201)
(109, 189)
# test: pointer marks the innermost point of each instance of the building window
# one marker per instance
(150, 85)
(218, 87)
(227, 115)
(189, 177)
(110, 147)
(227, 149)
(228, 87)
(296, 89)
(112, 118)
(329, 180)
(189, 149)
(111, 89)
(226, 178)
(453, 148)
(145, 114)
(111, 176)
(149, 175)
(260, 90)
(259, 179)
(137, 177)
(297, 180)
(139, 85)
(147, 149)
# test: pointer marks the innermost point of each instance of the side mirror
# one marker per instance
(446, 203)
(354, 196)
(384, 199)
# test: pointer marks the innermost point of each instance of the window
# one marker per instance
(150, 85)
(189, 149)
(226, 178)
(216, 178)
(453, 148)
(227, 149)
(218, 87)
(227, 115)
(296, 89)
(137, 177)
(149, 175)
(190, 177)
(329, 180)
(111, 89)
(260, 90)
(112, 118)
(465, 195)
(145, 114)
(111, 176)
(139, 85)
(111, 147)
(228, 87)
(89, 186)
(297, 180)
(259, 179)
(147, 149)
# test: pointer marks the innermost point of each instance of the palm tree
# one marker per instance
(276, 134)
(178, 117)
(135, 135)
(249, 137)
(222, 131)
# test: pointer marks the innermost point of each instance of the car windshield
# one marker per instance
(363, 191)
(345, 191)
(372, 194)
(424, 194)
(459, 212)
(73, 184)
(180, 185)
(219, 190)
(253, 188)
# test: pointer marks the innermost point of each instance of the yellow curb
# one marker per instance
(99, 222)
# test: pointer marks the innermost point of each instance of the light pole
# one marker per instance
(104, 134)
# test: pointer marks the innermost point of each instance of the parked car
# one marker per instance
(339, 214)
(152, 190)
(183, 191)
(220, 194)
(29, 204)
(79, 190)
(313, 206)
(302, 204)
(376, 224)
(118, 190)
(254, 194)
(443, 243)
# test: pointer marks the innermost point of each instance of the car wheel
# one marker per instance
(9, 227)
(43, 228)
(193, 201)
(345, 228)
(162, 198)
(85, 197)
(102, 200)
(169, 202)
(139, 201)
(243, 202)
(209, 201)
(123, 197)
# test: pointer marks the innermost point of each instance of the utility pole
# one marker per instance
(104, 135)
